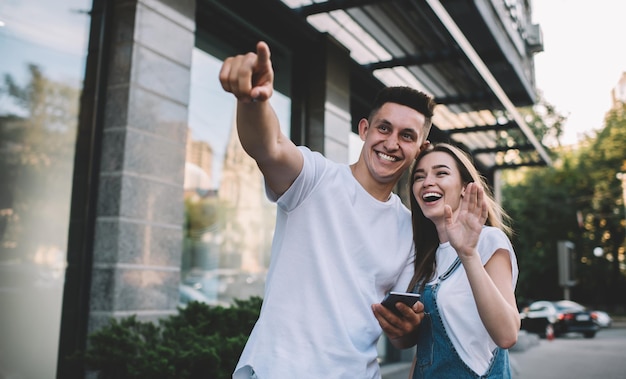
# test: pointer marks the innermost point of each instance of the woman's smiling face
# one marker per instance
(436, 182)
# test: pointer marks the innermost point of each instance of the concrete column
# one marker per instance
(328, 116)
(138, 233)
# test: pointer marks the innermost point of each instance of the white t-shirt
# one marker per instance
(456, 303)
(336, 251)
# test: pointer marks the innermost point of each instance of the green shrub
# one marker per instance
(201, 341)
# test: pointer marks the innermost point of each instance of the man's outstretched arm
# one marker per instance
(250, 78)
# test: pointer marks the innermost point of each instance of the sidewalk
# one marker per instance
(619, 321)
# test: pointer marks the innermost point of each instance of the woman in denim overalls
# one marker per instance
(465, 270)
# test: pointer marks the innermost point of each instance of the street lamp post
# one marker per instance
(622, 176)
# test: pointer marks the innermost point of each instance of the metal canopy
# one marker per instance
(474, 56)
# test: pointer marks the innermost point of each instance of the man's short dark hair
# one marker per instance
(407, 96)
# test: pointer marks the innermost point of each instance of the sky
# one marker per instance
(583, 59)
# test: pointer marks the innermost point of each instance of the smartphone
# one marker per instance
(403, 297)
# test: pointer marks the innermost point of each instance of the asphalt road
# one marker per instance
(568, 357)
(573, 356)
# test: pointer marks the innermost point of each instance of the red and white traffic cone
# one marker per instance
(549, 332)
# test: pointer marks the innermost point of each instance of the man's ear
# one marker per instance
(424, 146)
(363, 127)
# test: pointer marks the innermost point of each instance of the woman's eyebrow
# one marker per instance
(441, 166)
(434, 167)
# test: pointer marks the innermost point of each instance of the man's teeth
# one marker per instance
(387, 157)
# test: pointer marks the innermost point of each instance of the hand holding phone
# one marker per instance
(402, 297)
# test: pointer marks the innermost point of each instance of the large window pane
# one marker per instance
(229, 222)
(42, 50)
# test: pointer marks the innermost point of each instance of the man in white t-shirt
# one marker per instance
(342, 239)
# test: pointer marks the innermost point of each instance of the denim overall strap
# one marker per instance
(436, 356)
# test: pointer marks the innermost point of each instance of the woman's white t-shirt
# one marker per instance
(456, 302)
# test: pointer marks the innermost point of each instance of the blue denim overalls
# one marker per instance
(436, 356)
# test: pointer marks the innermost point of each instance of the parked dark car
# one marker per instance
(561, 317)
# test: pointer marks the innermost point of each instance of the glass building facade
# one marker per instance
(42, 66)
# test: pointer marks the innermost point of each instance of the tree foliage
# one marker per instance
(578, 199)
(545, 121)
(37, 135)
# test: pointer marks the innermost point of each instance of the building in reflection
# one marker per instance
(229, 229)
(198, 166)
(251, 217)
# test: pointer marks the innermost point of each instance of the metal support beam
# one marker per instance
(332, 5)
(466, 98)
(507, 166)
(428, 57)
(499, 149)
(483, 128)
(480, 66)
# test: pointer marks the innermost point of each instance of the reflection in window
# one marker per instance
(229, 221)
(42, 48)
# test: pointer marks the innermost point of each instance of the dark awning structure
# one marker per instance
(474, 56)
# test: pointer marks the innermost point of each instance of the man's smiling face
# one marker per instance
(392, 140)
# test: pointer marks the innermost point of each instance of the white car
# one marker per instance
(603, 319)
